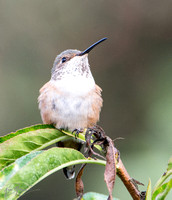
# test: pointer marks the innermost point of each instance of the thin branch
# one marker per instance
(126, 179)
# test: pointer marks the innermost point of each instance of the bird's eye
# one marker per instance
(64, 59)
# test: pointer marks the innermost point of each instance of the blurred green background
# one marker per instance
(133, 67)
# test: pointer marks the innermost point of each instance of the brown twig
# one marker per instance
(126, 179)
(112, 154)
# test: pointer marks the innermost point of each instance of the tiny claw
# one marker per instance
(88, 136)
(90, 132)
(77, 132)
(98, 132)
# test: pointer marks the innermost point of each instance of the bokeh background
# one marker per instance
(133, 67)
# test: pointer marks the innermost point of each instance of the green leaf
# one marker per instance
(162, 179)
(95, 196)
(10, 170)
(148, 191)
(24, 130)
(162, 191)
(34, 167)
(24, 141)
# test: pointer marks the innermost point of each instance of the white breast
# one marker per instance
(75, 85)
(69, 109)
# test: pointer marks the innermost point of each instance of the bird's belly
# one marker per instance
(71, 112)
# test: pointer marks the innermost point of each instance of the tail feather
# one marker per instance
(69, 172)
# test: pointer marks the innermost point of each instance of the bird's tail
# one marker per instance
(69, 172)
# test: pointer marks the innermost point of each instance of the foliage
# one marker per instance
(162, 188)
(24, 163)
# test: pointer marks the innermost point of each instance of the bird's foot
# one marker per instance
(97, 132)
(77, 132)
(97, 135)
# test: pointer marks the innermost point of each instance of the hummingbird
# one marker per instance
(71, 100)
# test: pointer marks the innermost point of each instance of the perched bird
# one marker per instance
(71, 100)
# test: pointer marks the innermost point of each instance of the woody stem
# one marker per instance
(126, 179)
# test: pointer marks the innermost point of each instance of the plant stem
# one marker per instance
(126, 179)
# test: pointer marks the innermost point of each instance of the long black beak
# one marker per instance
(91, 47)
